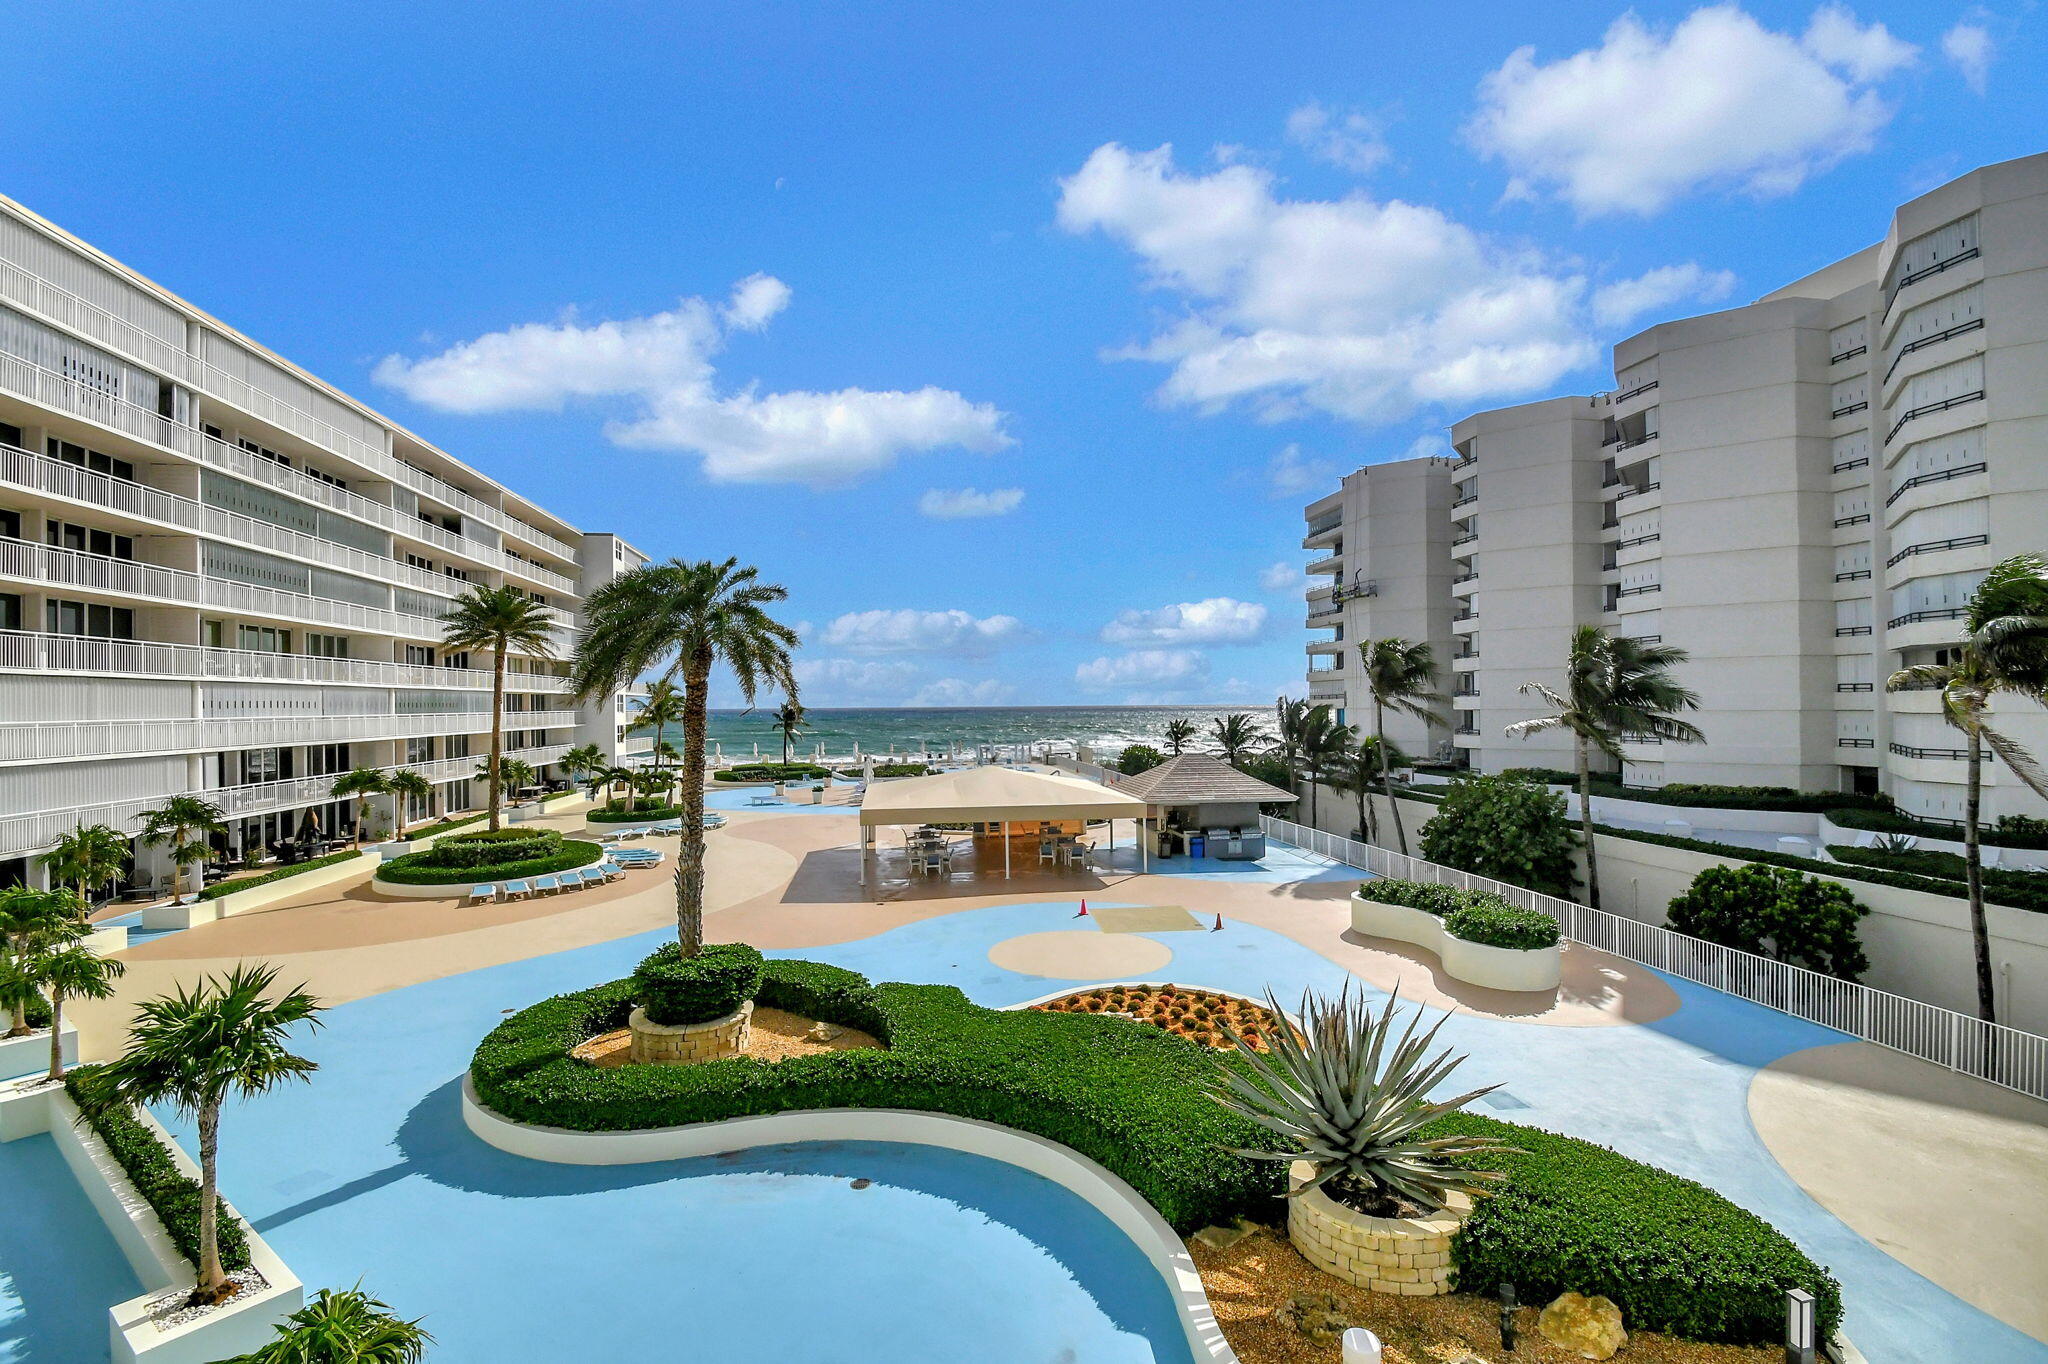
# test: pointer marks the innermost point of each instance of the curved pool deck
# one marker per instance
(375, 1143)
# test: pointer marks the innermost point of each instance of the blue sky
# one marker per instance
(806, 284)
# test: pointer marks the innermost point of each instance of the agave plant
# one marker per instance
(1351, 1097)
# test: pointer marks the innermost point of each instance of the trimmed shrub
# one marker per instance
(214, 892)
(1775, 912)
(1426, 896)
(1138, 758)
(409, 870)
(149, 1167)
(2019, 889)
(487, 849)
(642, 810)
(442, 826)
(2011, 831)
(1474, 915)
(674, 989)
(1505, 829)
(1675, 1255)
(771, 772)
(1708, 795)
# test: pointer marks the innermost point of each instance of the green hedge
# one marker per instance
(641, 810)
(410, 871)
(465, 851)
(771, 772)
(2007, 833)
(214, 892)
(1675, 1256)
(673, 989)
(1476, 916)
(2017, 889)
(149, 1167)
(1707, 795)
(442, 826)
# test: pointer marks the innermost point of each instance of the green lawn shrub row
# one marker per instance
(149, 1167)
(466, 851)
(1675, 1255)
(1477, 916)
(893, 770)
(641, 811)
(771, 772)
(2019, 889)
(1703, 794)
(2011, 831)
(214, 892)
(409, 871)
(674, 989)
(442, 826)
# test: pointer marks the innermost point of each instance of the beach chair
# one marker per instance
(546, 885)
(593, 876)
(482, 895)
(611, 871)
(515, 890)
(607, 840)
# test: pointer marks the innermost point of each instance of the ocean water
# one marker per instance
(961, 730)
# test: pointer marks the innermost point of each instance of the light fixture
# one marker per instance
(1798, 1326)
(1361, 1346)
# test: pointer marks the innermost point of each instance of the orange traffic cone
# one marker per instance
(1084, 910)
(1219, 925)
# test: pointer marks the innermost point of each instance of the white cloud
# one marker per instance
(1622, 302)
(1647, 117)
(1282, 576)
(824, 679)
(1362, 309)
(960, 504)
(1349, 140)
(954, 691)
(1216, 620)
(661, 367)
(1162, 668)
(921, 632)
(1970, 46)
(1290, 474)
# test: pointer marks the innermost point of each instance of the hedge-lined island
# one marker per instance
(1551, 1214)
(462, 859)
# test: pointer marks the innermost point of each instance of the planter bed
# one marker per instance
(1569, 1215)
(606, 815)
(1485, 964)
(1200, 1016)
(575, 857)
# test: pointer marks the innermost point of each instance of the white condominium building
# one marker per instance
(1800, 493)
(221, 576)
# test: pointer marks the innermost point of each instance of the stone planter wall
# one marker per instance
(1408, 1256)
(687, 1043)
(1495, 968)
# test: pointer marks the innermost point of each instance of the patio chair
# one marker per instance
(611, 871)
(482, 895)
(1048, 851)
(515, 890)
(546, 885)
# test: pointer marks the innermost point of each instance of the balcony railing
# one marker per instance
(1324, 524)
(1938, 476)
(31, 651)
(27, 832)
(1936, 547)
(1851, 410)
(1917, 617)
(1851, 741)
(1849, 354)
(1922, 343)
(1635, 392)
(62, 740)
(1927, 409)
(1947, 754)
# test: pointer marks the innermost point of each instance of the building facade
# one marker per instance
(1800, 493)
(221, 576)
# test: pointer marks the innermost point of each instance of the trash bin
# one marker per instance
(1197, 845)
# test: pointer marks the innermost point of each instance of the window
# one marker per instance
(424, 565)
(263, 639)
(456, 746)
(327, 478)
(10, 524)
(10, 434)
(326, 759)
(455, 661)
(419, 750)
(10, 611)
(91, 619)
(260, 764)
(88, 459)
(263, 452)
(326, 646)
(215, 633)
(420, 653)
(87, 540)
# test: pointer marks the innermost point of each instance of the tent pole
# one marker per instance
(1005, 827)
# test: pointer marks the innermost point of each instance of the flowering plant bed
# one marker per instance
(1200, 1016)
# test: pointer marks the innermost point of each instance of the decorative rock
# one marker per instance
(824, 1032)
(1589, 1326)
(1320, 1317)
(1223, 1238)
(686, 1044)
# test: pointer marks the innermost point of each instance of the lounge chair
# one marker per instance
(482, 895)
(546, 885)
(515, 890)
(611, 871)
(591, 876)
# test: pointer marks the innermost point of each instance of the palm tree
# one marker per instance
(582, 759)
(65, 968)
(1290, 722)
(1324, 744)
(1177, 735)
(500, 619)
(660, 712)
(411, 787)
(181, 826)
(360, 785)
(789, 718)
(1359, 769)
(194, 1050)
(27, 916)
(1614, 688)
(683, 618)
(88, 857)
(1399, 675)
(1237, 735)
(2004, 650)
(349, 1327)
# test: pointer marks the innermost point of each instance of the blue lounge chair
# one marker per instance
(546, 885)
(611, 871)
(482, 895)
(515, 890)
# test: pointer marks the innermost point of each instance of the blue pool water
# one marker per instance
(59, 1269)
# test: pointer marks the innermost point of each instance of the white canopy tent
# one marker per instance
(992, 795)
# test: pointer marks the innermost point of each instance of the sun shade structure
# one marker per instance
(1204, 807)
(1198, 779)
(978, 795)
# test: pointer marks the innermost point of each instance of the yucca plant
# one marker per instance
(1350, 1096)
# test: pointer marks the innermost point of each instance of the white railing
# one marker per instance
(31, 651)
(62, 740)
(28, 562)
(1990, 1051)
(28, 832)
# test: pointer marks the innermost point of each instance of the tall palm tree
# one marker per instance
(349, 1327)
(27, 915)
(359, 786)
(500, 619)
(682, 618)
(1290, 726)
(661, 712)
(2004, 651)
(88, 857)
(1614, 687)
(182, 826)
(1399, 675)
(65, 968)
(609, 780)
(1324, 744)
(789, 718)
(1237, 735)
(194, 1050)
(581, 759)
(411, 787)
(1178, 734)
(1359, 769)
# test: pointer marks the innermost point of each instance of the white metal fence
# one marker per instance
(1991, 1051)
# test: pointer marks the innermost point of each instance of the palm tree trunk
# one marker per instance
(497, 727)
(1311, 797)
(56, 1034)
(211, 1275)
(1586, 820)
(690, 847)
(1973, 865)
(1379, 729)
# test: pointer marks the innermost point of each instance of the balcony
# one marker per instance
(1331, 533)
(63, 740)
(1332, 564)
(29, 651)
(1327, 646)
(28, 832)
